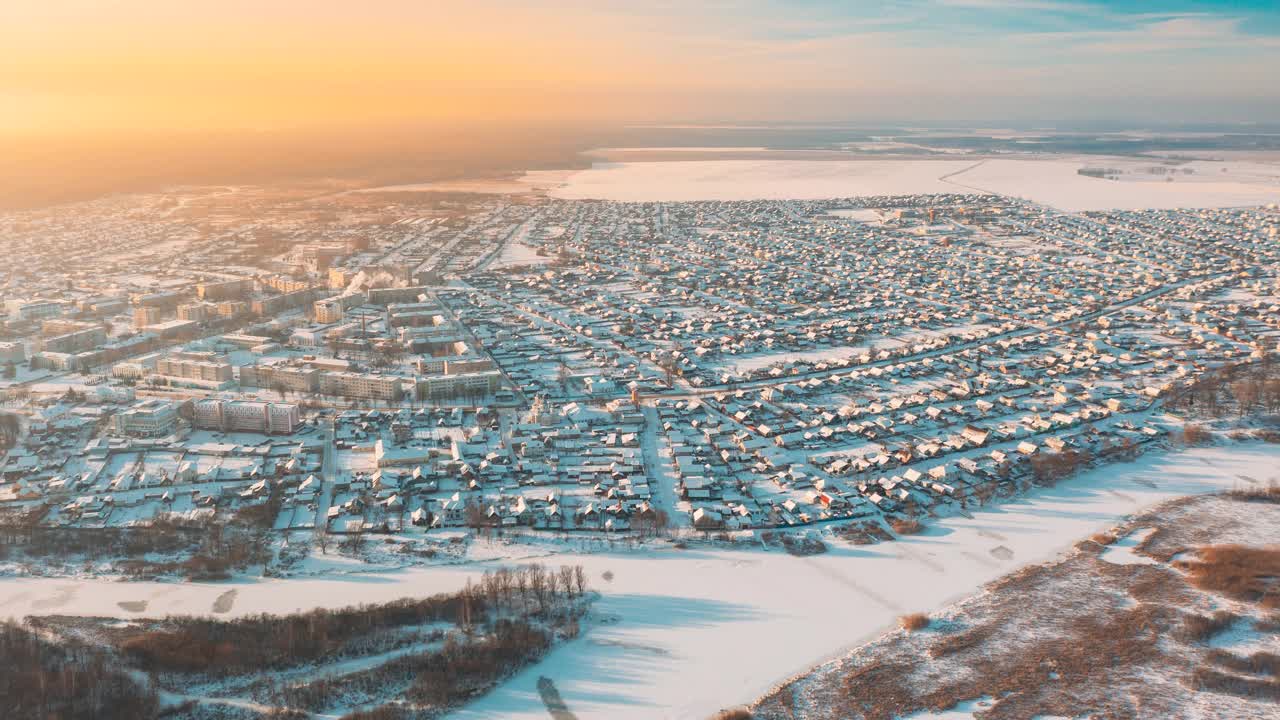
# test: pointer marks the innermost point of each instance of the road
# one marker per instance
(328, 471)
(661, 476)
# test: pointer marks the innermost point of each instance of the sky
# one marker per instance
(200, 65)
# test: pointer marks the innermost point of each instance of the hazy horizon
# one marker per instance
(102, 97)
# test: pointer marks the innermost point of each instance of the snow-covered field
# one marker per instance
(757, 179)
(1050, 180)
(529, 182)
(1056, 183)
(684, 633)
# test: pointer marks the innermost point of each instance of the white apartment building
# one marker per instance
(204, 369)
(246, 416)
(363, 385)
(149, 418)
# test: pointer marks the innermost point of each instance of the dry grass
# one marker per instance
(1196, 435)
(913, 622)
(1269, 494)
(1259, 663)
(1158, 537)
(1242, 573)
(733, 714)
(1103, 538)
(1162, 586)
(907, 526)
(863, 533)
(1253, 688)
(959, 642)
(1081, 658)
(1202, 628)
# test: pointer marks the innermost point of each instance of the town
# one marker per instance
(411, 363)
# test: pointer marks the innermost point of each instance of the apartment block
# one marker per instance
(246, 416)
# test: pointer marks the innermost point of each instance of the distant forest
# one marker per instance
(39, 171)
(46, 170)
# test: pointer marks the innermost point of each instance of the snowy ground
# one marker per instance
(757, 179)
(1056, 183)
(1050, 180)
(530, 182)
(684, 633)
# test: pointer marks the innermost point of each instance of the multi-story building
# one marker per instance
(362, 385)
(454, 365)
(331, 309)
(285, 284)
(385, 296)
(231, 308)
(84, 337)
(340, 278)
(195, 312)
(279, 303)
(197, 368)
(224, 289)
(149, 418)
(448, 387)
(172, 328)
(39, 309)
(136, 368)
(246, 416)
(289, 377)
(319, 258)
(144, 315)
(414, 315)
(105, 306)
(167, 299)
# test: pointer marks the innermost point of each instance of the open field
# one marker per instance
(757, 179)
(1051, 181)
(685, 632)
(1055, 182)
(510, 185)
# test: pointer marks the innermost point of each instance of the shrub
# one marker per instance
(952, 644)
(913, 622)
(1259, 663)
(907, 526)
(1239, 572)
(1214, 681)
(1196, 435)
(1269, 494)
(803, 546)
(1201, 628)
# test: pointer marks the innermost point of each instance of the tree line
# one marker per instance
(262, 642)
(65, 681)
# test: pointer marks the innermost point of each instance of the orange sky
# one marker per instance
(77, 65)
(197, 65)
